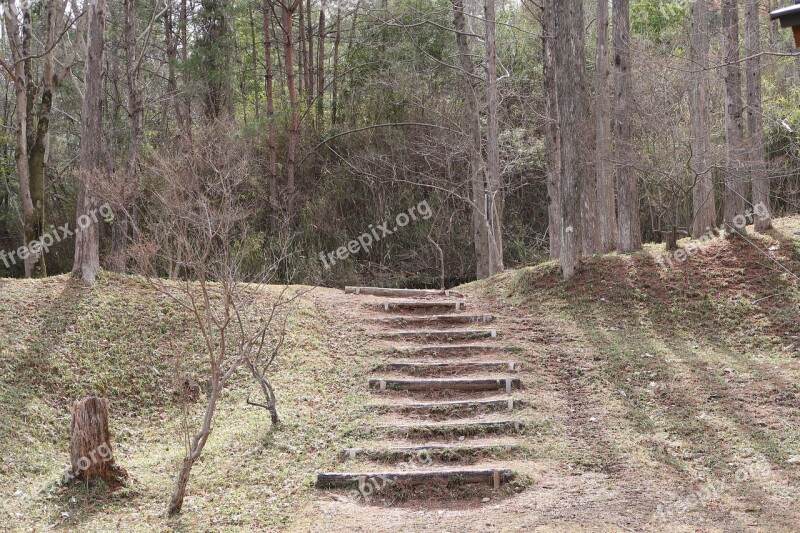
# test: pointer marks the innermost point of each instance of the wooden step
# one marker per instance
(426, 453)
(459, 428)
(435, 319)
(446, 350)
(451, 407)
(400, 293)
(446, 367)
(441, 334)
(437, 384)
(423, 305)
(493, 476)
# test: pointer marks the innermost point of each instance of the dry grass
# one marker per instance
(60, 342)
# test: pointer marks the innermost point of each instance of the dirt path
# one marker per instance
(588, 464)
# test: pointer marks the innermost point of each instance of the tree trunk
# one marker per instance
(294, 126)
(87, 236)
(302, 64)
(590, 232)
(195, 448)
(184, 36)
(774, 28)
(604, 169)
(477, 170)
(735, 151)
(38, 150)
(321, 67)
(215, 50)
(20, 44)
(311, 86)
(136, 110)
(335, 81)
(704, 206)
(384, 17)
(272, 155)
(570, 62)
(672, 239)
(755, 124)
(351, 117)
(91, 455)
(254, 54)
(171, 49)
(552, 138)
(496, 193)
(629, 237)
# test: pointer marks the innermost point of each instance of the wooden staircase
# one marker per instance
(445, 399)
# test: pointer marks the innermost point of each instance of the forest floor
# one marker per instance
(664, 399)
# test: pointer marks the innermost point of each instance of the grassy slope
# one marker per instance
(696, 370)
(698, 366)
(59, 342)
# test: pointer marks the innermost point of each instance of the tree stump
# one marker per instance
(672, 240)
(90, 444)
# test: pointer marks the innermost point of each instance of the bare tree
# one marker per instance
(335, 74)
(495, 189)
(735, 150)
(272, 152)
(310, 72)
(214, 49)
(590, 232)
(119, 237)
(321, 67)
(92, 167)
(183, 32)
(302, 62)
(704, 206)
(287, 11)
(755, 122)
(573, 122)
(552, 136)
(134, 56)
(198, 221)
(32, 124)
(629, 237)
(477, 167)
(604, 168)
(171, 41)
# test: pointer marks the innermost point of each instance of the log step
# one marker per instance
(451, 408)
(442, 334)
(379, 480)
(435, 319)
(424, 454)
(417, 305)
(450, 429)
(444, 367)
(446, 350)
(438, 384)
(384, 291)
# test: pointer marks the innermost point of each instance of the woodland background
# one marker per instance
(343, 114)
